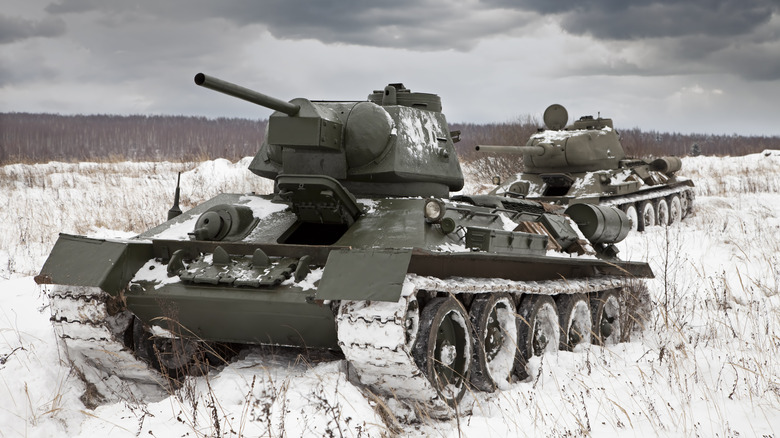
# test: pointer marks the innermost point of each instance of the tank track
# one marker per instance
(644, 196)
(375, 340)
(373, 335)
(92, 336)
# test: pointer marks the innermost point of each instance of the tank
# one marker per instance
(360, 251)
(585, 163)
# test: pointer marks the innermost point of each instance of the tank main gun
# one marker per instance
(244, 93)
(537, 150)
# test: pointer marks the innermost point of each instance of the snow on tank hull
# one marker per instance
(427, 297)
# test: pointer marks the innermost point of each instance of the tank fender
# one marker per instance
(83, 261)
(364, 274)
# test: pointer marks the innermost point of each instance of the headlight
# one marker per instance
(434, 210)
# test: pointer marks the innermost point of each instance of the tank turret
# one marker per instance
(585, 163)
(587, 145)
(396, 143)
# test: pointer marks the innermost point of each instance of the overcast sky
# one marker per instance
(704, 66)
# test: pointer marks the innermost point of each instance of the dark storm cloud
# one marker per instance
(672, 19)
(14, 29)
(442, 24)
(412, 24)
(139, 56)
(670, 37)
(621, 19)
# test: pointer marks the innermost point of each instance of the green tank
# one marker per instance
(585, 163)
(360, 250)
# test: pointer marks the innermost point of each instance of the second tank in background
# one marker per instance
(585, 163)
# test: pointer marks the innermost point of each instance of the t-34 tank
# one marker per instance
(360, 250)
(585, 163)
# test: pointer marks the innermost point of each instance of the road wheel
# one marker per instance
(605, 310)
(647, 219)
(675, 209)
(442, 349)
(538, 331)
(633, 215)
(575, 320)
(495, 341)
(662, 212)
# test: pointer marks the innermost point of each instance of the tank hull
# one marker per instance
(286, 314)
(622, 188)
(164, 288)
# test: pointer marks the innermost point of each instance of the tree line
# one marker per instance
(35, 138)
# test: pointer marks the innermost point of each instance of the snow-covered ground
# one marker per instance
(706, 364)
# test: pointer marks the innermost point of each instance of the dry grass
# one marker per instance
(43, 200)
(703, 363)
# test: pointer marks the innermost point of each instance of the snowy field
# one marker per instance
(706, 364)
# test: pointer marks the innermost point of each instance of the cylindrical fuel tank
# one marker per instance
(599, 223)
(667, 165)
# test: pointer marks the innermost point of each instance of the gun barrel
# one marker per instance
(240, 92)
(533, 150)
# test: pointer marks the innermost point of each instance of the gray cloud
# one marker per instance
(413, 24)
(14, 29)
(621, 20)
(433, 25)
(73, 6)
(490, 59)
(10, 74)
(671, 37)
(659, 19)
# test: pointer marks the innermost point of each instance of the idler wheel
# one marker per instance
(442, 349)
(538, 329)
(495, 341)
(575, 320)
(606, 313)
